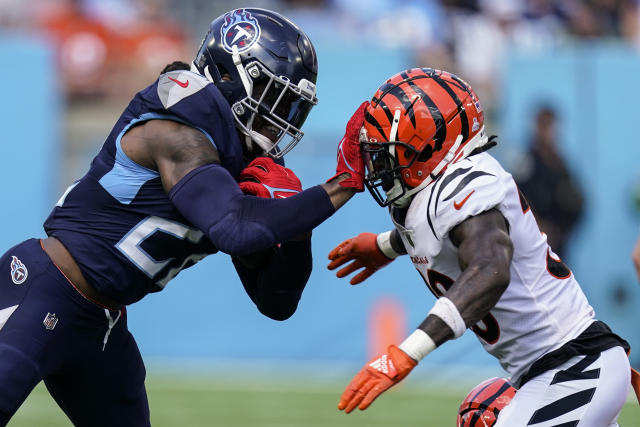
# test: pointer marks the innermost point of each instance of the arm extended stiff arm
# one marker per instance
(237, 224)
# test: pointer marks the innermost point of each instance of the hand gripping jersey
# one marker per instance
(543, 306)
(117, 221)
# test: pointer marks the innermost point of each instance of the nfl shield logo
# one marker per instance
(50, 321)
(19, 272)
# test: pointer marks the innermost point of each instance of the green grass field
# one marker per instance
(207, 401)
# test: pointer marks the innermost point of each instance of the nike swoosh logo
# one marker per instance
(179, 83)
(458, 205)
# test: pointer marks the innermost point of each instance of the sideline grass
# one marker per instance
(207, 402)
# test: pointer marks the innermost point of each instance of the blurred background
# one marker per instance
(559, 84)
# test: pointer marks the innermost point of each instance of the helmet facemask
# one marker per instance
(384, 174)
(273, 106)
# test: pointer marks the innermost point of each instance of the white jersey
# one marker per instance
(542, 308)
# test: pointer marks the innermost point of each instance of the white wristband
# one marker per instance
(446, 310)
(384, 243)
(418, 345)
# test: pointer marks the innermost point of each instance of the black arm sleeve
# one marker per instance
(237, 224)
(277, 287)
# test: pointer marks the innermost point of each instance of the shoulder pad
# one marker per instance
(467, 189)
(174, 86)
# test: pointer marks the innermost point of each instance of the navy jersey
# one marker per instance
(117, 221)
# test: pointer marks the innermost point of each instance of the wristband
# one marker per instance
(446, 310)
(418, 345)
(384, 244)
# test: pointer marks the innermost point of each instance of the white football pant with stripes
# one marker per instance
(586, 391)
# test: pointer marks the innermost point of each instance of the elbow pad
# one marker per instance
(238, 224)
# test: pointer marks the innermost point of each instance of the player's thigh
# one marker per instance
(106, 389)
(27, 348)
(586, 391)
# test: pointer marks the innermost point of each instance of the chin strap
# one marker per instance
(237, 61)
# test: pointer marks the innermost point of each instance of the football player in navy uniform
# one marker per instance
(193, 166)
(471, 235)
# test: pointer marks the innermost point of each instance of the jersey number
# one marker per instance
(131, 246)
(487, 328)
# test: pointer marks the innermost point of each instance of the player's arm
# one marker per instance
(209, 197)
(274, 278)
(484, 253)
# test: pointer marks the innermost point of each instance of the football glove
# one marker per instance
(265, 178)
(361, 251)
(349, 154)
(377, 376)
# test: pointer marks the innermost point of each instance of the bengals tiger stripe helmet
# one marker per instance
(419, 121)
(483, 404)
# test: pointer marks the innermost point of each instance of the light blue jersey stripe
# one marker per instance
(127, 177)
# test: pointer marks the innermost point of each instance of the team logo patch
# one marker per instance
(476, 125)
(19, 272)
(240, 29)
(50, 321)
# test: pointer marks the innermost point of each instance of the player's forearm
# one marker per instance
(338, 194)
(238, 224)
(476, 291)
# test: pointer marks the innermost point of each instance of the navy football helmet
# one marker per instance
(266, 68)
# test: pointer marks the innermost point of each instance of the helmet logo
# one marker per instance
(240, 29)
(476, 125)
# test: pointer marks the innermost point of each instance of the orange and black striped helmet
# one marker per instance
(418, 122)
(483, 404)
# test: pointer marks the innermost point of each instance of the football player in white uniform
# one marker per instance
(471, 235)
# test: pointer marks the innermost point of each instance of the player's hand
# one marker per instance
(265, 178)
(349, 153)
(361, 251)
(377, 376)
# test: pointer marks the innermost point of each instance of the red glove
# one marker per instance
(265, 178)
(362, 251)
(377, 376)
(349, 154)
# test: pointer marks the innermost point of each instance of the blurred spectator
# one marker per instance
(635, 255)
(150, 42)
(107, 51)
(545, 180)
(86, 49)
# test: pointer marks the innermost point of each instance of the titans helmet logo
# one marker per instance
(240, 29)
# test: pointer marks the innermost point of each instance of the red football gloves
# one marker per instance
(349, 154)
(265, 178)
(377, 376)
(362, 251)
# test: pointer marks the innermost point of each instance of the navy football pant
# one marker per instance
(85, 354)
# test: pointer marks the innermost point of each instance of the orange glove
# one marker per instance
(362, 251)
(377, 376)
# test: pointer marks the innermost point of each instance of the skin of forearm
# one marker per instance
(338, 194)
